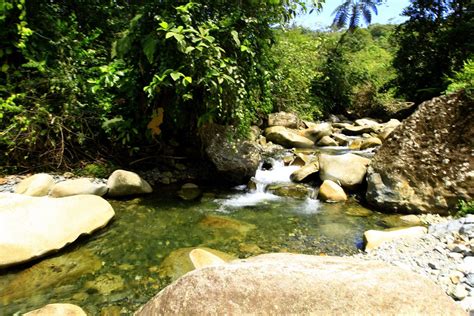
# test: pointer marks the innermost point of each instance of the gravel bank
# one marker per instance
(445, 255)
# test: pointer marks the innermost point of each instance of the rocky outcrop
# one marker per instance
(124, 183)
(285, 119)
(237, 159)
(348, 169)
(36, 185)
(57, 310)
(287, 138)
(317, 131)
(425, 166)
(283, 284)
(77, 187)
(33, 226)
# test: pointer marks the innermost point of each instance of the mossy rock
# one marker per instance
(296, 191)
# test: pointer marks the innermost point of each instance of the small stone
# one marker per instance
(467, 266)
(455, 255)
(433, 265)
(456, 277)
(459, 292)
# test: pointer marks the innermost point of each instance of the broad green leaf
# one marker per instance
(164, 25)
(235, 36)
(149, 47)
(176, 75)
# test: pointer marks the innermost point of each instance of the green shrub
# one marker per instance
(465, 208)
(463, 79)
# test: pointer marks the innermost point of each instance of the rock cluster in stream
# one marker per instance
(445, 255)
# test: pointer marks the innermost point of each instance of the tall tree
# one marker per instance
(433, 44)
(351, 12)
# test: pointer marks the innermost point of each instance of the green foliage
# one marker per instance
(432, 45)
(97, 170)
(298, 55)
(465, 208)
(463, 79)
(82, 79)
(356, 73)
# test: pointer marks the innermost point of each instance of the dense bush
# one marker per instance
(463, 80)
(433, 44)
(88, 79)
(298, 57)
(356, 72)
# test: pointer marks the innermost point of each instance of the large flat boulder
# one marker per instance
(348, 169)
(33, 226)
(425, 165)
(284, 284)
(287, 138)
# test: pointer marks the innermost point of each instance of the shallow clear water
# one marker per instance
(117, 269)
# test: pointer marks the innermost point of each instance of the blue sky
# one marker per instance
(389, 12)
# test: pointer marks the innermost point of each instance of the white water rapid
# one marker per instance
(277, 174)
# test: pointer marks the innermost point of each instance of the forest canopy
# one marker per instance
(88, 79)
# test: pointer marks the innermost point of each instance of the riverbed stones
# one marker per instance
(330, 191)
(317, 131)
(124, 183)
(189, 192)
(77, 187)
(296, 191)
(287, 138)
(106, 283)
(36, 185)
(349, 170)
(425, 166)
(284, 119)
(374, 238)
(59, 309)
(34, 226)
(235, 158)
(53, 272)
(305, 172)
(370, 142)
(327, 141)
(353, 130)
(301, 284)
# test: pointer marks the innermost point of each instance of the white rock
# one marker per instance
(375, 238)
(36, 185)
(57, 310)
(123, 183)
(77, 187)
(33, 226)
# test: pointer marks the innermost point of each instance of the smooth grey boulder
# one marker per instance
(124, 183)
(349, 170)
(287, 138)
(77, 187)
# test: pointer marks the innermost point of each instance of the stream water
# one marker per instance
(143, 249)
